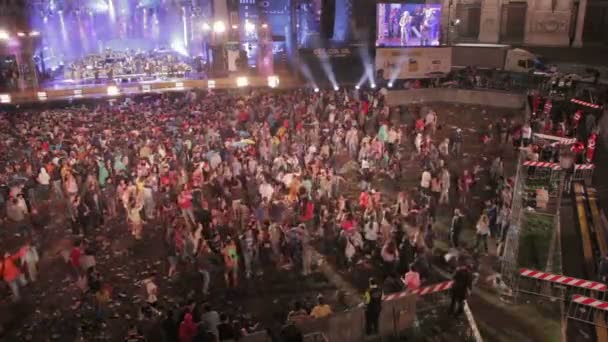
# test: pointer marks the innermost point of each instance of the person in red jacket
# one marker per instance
(187, 329)
(11, 273)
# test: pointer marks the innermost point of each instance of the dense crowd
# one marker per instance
(241, 183)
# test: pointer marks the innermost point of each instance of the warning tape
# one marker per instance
(561, 140)
(446, 285)
(560, 279)
(556, 166)
(586, 104)
(598, 304)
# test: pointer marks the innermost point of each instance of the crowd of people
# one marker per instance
(241, 183)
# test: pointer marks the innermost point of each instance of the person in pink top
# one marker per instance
(411, 280)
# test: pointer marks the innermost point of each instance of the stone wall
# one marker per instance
(471, 97)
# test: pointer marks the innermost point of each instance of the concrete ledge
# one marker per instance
(462, 96)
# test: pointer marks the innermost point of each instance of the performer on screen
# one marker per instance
(428, 27)
(405, 23)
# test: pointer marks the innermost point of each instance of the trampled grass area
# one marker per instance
(535, 240)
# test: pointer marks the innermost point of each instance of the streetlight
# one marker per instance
(219, 27)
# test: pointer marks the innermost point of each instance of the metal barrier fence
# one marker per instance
(558, 287)
(588, 310)
(508, 265)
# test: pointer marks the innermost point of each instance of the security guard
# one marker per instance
(373, 306)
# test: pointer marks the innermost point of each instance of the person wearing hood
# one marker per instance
(187, 329)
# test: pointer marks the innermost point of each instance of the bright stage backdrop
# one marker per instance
(72, 29)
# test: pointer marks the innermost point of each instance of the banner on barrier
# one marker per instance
(418, 62)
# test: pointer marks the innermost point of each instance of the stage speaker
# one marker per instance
(328, 17)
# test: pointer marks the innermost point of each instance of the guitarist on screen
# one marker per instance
(405, 23)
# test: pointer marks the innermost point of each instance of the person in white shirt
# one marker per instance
(418, 142)
(371, 234)
(425, 181)
(266, 191)
(526, 133)
(430, 121)
(445, 186)
(43, 177)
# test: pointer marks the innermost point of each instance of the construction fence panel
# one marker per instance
(343, 326)
(398, 313)
(259, 336)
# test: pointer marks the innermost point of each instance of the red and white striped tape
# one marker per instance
(555, 166)
(561, 140)
(560, 279)
(586, 104)
(598, 304)
(446, 285)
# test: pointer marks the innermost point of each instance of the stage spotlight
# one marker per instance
(390, 84)
(234, 27)
(242, 81)
(373, 85)
(273, 81)
(20, 34)
(264, 26)
(357, 87)
(219, 27)
(206, 27)
(316, 90)
(34, 34)
(5, 98)
(4, 35)
(113, 90)
(336, 88)
(249, 27)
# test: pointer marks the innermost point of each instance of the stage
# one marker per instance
(92, 91)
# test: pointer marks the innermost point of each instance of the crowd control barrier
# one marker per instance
(259, 336)
(343, 326)
(555, 286)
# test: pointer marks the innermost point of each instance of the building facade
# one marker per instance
(561, 23)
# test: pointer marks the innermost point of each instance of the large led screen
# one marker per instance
(408, 24)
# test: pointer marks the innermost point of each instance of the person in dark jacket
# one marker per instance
(463, 283)
(456, 228)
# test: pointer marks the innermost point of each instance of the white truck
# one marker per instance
(495, 56)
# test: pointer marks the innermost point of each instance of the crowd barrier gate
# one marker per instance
(588, 310)
(558, 287)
